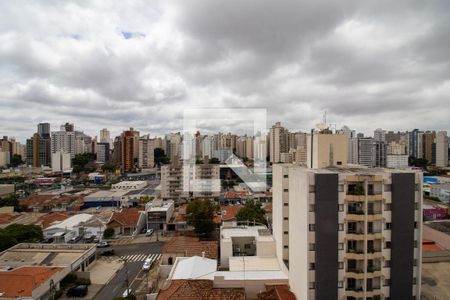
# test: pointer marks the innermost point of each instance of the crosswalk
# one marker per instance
(141, 257)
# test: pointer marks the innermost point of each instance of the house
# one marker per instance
(227, 214)
(52, 218)
(127, 221)
(63, 231)
(159, 214)
(186, 246)
(199, 289)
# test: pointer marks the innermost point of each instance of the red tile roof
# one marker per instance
(50, 218)
(127, 217)
(191, 246)
(235, 195)
(22, 281)
(199, 290)
(228, 213)
(428, 245)
(6, 218)
(276, 292)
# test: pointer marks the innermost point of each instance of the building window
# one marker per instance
(341, 227)
(312, 188)
(340, 284)
(285, 175)
(340, 188)
(387, 282)
(340, 265)
(285, 218)
(387, 207)
(311, 207)
(286, 232)
(312, 285)
(312, 247)
(414, 280)
(415, 244)
(286, 190)
(415, 225)
(387, 187)
(388, 245)
(312, 266)
(387, 226)
(286, 247)
(286, 204)
(339, 163)
(341, 207)
(312, 227)
(387, 263)
(341, 246)
(417, 187)
(415, 262)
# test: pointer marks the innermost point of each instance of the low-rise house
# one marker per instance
(199, 289)
(52, 218)
(227, 214)
(159, 214)
(69, 228)
(127, 221)
(187, 246)
(34, 271)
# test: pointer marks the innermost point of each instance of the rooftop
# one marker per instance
(191, 246)
(194, 267)
(260, 233)
(71, 222)
(253, 263)
(22, 281)
(276, 292)
(199, 290)
(52, 218)
(227, 213)
(126, 217)
(159, 205)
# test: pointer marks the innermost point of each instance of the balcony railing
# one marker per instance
(355, 231)
(354, 289)
(356, 212)
(372, 269)
(355, 270)
(356, 251)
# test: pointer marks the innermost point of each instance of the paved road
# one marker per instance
(135, 254)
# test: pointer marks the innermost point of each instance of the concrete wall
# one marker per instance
(440, 238)
(298, 238)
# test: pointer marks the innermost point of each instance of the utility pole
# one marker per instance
(126, 279)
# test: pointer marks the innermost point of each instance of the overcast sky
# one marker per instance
(369, 64)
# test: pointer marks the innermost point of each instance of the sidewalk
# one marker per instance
(104, 269)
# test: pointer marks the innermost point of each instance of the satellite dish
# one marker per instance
(322, 126)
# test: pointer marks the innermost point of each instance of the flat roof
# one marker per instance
(253, 263)
(71, 222)
(252, 275)
(259, 232)
(194, 267)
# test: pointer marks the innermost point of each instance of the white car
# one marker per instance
(147, 264)
(126, 293)
(149, 232)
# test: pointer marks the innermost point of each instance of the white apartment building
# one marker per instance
(396, 161)
(357, 232)
(61, 161)
(172, 182)
(63, 141)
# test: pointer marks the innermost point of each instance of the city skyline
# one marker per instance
(116, 65)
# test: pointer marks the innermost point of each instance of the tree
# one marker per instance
(108, 233)
(16, 160)
(160, 156)
(83, 162)
(200, 214)
(214, 161)
(6, 240)
(25, 233)
(252, 212)
(10, 200)
(108, 167)
(418, 162)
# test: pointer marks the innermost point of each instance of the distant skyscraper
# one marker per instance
(427, 145)
(44, 130)
(105, 136)
(326, 149)
(379, 135)
(146, 153)
(441, 149)
(130, 149)
(278, 142)
(366, 152)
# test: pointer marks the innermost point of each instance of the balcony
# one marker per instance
(373, 271)
(373, 291)
(354, 198)
(356, 292)
(357, 235)
(376, 197)
(357, 273)
(356, 254)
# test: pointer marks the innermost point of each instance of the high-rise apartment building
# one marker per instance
(103, 153)
(278, 139)
(44, 130)
(130, 149)
(326, 149)
(349, 233)
(366, 152)
(379, 135)
(61, 161)
(427, 145)
(441, 142)
(146, 153)
(38, 147)
(172, 182)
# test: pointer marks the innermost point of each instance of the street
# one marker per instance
(134, 255)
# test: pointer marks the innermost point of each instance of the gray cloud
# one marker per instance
(98, 64)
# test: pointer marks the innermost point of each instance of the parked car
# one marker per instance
(96, 240)
(109, 252)
(89, 238)
(147, 264)
(48, 241)
(77, 291)
(74, 240)
(102, 245)
(149, 232)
